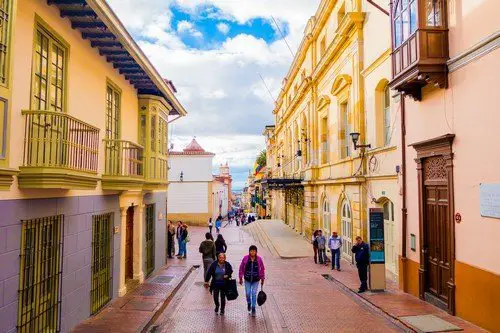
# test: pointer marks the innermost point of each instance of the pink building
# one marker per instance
(445, 65)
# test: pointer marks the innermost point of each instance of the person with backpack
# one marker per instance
(219, 272)
(220, 245)
(207, 250)
(253, 271)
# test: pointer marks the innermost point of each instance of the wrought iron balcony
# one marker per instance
(124, 165)
(60, 151)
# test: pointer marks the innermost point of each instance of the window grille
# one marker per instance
(102, 262)
(40, 276)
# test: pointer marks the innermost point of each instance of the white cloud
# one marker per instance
(227, 103)
(223, 28)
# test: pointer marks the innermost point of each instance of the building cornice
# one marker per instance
(477, 51)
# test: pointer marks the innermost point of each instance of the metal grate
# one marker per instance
(40, 276)
(102, 262)
(150, 239)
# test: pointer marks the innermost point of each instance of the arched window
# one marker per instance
(346, 232)
(326, 218)
(386, 104)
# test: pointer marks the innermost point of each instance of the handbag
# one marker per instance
(187, 239)
(261, 297)
(231, 290)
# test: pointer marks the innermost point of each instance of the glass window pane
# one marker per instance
(398, 32)
(406, 24)
(413, 16)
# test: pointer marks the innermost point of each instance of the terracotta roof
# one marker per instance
(193, 148)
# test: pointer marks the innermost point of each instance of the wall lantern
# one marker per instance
(355, 138)
(182, 176)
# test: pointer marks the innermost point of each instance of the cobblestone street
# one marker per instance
(299, 299)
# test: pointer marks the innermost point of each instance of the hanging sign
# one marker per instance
(377, 242)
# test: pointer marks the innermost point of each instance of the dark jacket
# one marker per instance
(178, 232)
(362, 252)
(210, 276)
(207, 249)
(184, 234)
(220, 246)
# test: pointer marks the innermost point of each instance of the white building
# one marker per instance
(190, 193)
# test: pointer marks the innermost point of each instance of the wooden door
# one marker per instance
(129, 245)
(437, 248)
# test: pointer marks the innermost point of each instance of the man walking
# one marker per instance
(321, 248)
(207, 250)
(362, 252)
(334, 244)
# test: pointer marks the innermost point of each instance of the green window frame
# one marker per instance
(102, 261)
(40, 276)
(49, 72)
(5, 38)
(150, 239)
(113, 110)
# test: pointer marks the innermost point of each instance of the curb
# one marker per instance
(167, 300)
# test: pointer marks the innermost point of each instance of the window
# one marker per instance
(102, 262)
(326, 218)
(433, 13)
(113, 99)
(404, 20)
(324, 141)
(387, 116)
(153, 133)
(49, 72)
(346, 232)
(40, 275)
(150, 239)
(345, 131)
(5, 34)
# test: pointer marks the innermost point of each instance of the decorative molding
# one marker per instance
(56, 178)
(6, 178)
(379, 61)
(475, 52)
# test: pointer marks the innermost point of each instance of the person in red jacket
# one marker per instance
(253, 271)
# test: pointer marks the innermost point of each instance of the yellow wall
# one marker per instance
(86, 87)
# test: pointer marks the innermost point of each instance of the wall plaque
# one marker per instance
(489, 200)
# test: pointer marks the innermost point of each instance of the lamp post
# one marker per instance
(181, 177)
(355, 139)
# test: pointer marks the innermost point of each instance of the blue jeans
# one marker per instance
(251, 292)
(335, 258)
(182, 248)
(179, 243)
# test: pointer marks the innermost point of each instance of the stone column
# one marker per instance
(122, 288)
(139, 234)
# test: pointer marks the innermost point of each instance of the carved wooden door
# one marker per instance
(129, 245)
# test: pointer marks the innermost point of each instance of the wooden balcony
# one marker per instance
(60, 152)
(124, 166)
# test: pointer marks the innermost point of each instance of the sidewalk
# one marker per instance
(134, 311)
(393, 302)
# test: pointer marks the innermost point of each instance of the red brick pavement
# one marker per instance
(299, 299)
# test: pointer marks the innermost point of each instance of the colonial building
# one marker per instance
(225, 177)
(191, 186)
(333, 152)
(83, 162)
(446, 63)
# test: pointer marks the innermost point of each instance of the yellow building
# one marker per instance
(335, 91)
(83, 162)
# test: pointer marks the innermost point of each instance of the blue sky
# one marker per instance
(215, 52)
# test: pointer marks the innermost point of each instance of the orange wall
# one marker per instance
(86, 86)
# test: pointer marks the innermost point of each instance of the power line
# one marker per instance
(283, 37)
(267, 88)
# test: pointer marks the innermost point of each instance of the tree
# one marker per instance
(261, 158)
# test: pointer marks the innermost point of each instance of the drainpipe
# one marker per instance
(404, 210)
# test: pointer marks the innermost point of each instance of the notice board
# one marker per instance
(377, 242)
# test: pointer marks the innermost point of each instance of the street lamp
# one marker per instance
(182, 176)
(355, 139)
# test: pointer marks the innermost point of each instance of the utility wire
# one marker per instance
(267, 88)
(283, 37)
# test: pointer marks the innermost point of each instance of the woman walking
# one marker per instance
(220, 245)
(252, 270)
(219, 272)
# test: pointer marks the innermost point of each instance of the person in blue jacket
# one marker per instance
(362, 253)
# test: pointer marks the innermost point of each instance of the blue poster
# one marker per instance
(377, 244)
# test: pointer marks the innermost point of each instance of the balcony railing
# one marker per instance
(58, 140)
(124, 159)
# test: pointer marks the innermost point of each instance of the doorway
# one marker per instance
(129, 244)
(391, 255)
(437, 228)
(346, 231)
